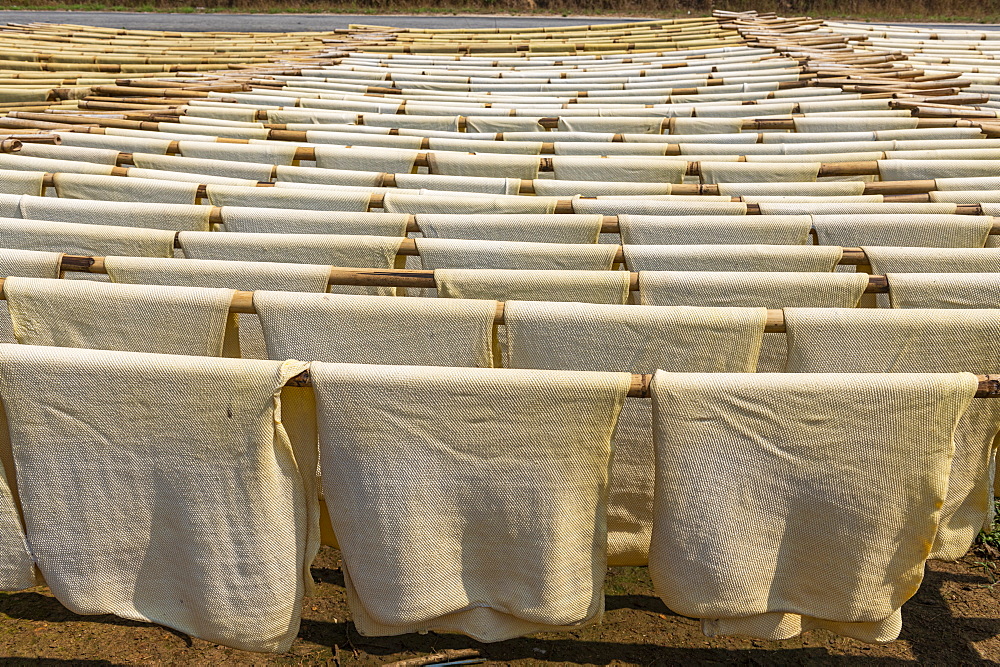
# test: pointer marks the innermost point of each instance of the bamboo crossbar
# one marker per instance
(416, 278)
(371, 277)
(989, 385)
(907, 191)
(243, 303)
(526, 187)
(865, 168)
(551, 122)
(609, 224)
(30, 138)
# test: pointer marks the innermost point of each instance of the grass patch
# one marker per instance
(988, 543)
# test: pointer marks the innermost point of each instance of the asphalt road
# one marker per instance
(305, 22)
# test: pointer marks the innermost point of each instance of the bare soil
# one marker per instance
(953, 620)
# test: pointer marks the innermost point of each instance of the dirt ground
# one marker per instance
(953, 620)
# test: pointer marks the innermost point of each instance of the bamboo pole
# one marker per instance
(36, 138)
(425, 278)
(549, 122)
(639, 387)
(989, 385)
(609, 223)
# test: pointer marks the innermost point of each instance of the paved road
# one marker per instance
(281, 22)
(297, 22)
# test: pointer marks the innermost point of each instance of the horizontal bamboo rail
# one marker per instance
(424, 278)
(563, 206)
(989, 385)
(526, 187)
(549, 122)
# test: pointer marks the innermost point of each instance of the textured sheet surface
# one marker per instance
(483, 164)
(407, 203)
(484, 145)
(271, 153)
(30, 264)
(331, 249)
(809, 189)
(705, 125)
(465, 254)
(516, 463)
(163, 175)
(45, 165)
(314, 200)
(476, 184)
(17, 567)
(731, 258)
(77, 239)
(944, 290)
(839, 124)
(632, 339)
(528, 285)
(619, 169)
(699, 230)
(252, 171)
(616, 125)
(317, 249)
(965, 197)
(360, 158)
(928, 340)
(118, 188)
(175, 217)
(552, 228)
(916, 230)
(793, 487)
(276, 221)
(21, 182)
(10, 206)
(910, 170)
(120, 143)
(933, 260)
(152, 509)
(553, 188)
(130, 318)
(850, 209)
(645, 206)
(753, 172)
(247, 276)
(328, 176)
(377, 330)
(502, 124)
(763, 290)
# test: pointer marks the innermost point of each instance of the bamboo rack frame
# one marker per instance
(563, 206)
(375, 277)
(886, 188)
(243, 300)
(639, 387)
(122, 121)
(989, 385)
(609, 223)
(410, 277)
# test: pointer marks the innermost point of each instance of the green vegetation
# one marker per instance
(989, 542)
(874, 10)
